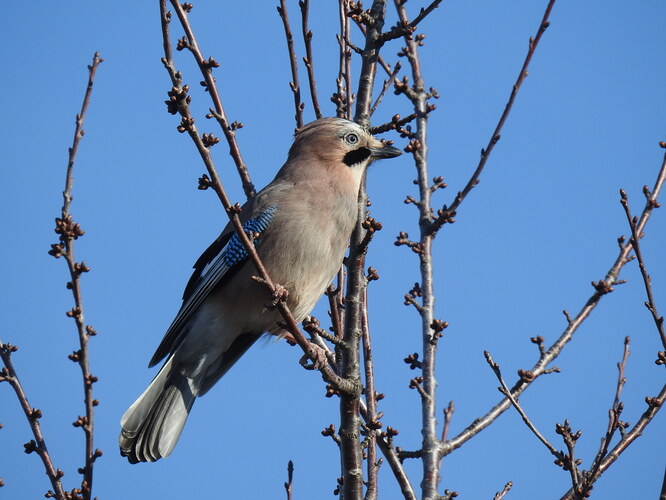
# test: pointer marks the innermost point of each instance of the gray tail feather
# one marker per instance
(152, 425)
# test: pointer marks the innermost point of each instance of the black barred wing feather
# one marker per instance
(224, 255)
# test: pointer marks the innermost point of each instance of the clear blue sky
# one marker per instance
(541, 225)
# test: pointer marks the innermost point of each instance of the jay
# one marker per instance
(302, 222)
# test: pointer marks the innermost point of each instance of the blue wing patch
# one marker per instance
(234, 251)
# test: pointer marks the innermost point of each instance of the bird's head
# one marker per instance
(340, 145)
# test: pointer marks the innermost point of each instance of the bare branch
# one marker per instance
(387, 84)
(38, 445)
(407, 28)
(447, 213)
(69, 230)
(290, 477)
(505, 390)
(206, 68)
(308, 59)
(293, 63)
(448, 415)
(382, 62)
(635, 237)
(385, 443)
(615, 411)
(430, 329)
(343, 99)
(352, 485)
(500, 494)
(371, 404)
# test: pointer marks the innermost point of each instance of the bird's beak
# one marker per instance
(384, 152)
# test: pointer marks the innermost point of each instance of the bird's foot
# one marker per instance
(280, 294)
(317, 356)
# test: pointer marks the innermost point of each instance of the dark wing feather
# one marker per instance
(225, 254)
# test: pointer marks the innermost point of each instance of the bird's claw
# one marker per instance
(318, 356)
(280, 294)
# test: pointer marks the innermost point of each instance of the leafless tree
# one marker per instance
(344, 357)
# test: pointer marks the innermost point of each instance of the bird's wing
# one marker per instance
(225, 254)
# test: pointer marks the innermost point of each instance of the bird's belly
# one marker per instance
(305, 270)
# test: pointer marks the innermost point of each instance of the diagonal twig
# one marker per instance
(635, 237)
(387, 84)
(407, 28)
(504, 389)
(447, 213)
(38, 445)
(501, 494)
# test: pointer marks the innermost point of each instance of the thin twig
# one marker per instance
(500, 494)
(344, 97)
(407, 28)
(290, 477)
(635, 237)
(308, 59)
(70, 231)
(446, 215)
(38, 445)
(371, 404)
(448, 415)
(387, 84)
(615, 411)
(293, 63)
(507, 392)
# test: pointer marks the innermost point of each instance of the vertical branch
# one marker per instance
(429, 334)
(293, 63)
(308, 59)
(356, 280)
(349, 93)
(342, 98)
(70, 231)
(38, 445)
(614, 413)
(290, 477)
(372, 464)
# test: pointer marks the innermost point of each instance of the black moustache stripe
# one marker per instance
(356, 156)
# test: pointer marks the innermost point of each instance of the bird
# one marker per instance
(301, 223)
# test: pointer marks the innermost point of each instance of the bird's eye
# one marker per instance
(351, 138)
